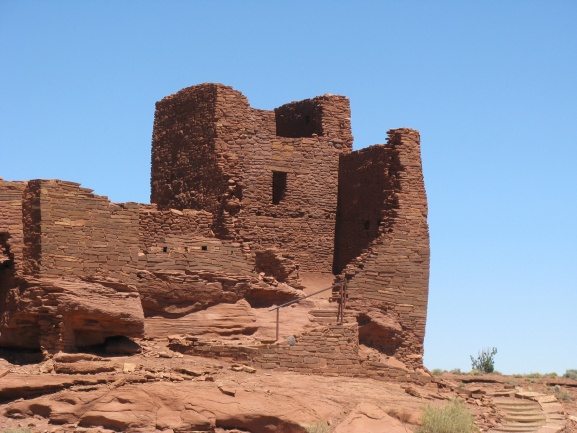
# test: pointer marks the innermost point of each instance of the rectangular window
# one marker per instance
(278, 186)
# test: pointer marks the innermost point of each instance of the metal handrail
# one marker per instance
(286, 304)
(300, 299)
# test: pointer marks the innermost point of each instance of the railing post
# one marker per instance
(277, 322)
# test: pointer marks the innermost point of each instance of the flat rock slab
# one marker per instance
(13, 386)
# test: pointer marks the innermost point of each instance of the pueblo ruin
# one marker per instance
(250, 209)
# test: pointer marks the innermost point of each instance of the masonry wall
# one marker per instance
(11, 241)
(183, 240)
(69, 231)
(11, 220)
(186, 171)
(391, 271)
(367, 200)
(239, 148)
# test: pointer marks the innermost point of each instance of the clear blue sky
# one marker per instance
(491, 85)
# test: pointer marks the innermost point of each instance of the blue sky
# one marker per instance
(491, 86)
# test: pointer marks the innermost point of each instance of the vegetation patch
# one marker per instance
(318, 427)
(451, 418)
(485, 360)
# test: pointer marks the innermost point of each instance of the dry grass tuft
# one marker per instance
(452, 418)
(402, 415)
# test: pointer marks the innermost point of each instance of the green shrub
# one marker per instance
(571, 374)
(485, 361)
(452, 418)
(437, 372)
(456, 371)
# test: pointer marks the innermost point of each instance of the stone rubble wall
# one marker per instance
(71, 232)
(213, 152)
(391, 272)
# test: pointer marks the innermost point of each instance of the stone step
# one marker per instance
(502, 393)
(515, 429)
(525, 417)
(529, 412)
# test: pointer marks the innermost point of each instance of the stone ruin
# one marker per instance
(246, 205)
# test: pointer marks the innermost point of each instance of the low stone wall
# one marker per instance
(331, 350)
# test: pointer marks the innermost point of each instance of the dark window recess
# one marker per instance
(278, 186)
(367, 224)
(204, 248)
(307, 119)
(165, 249)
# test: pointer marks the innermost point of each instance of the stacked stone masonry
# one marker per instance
(242, 199)
(330, 350)
(211, 151)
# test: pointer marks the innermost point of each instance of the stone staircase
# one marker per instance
(327, 315)
(527, 412)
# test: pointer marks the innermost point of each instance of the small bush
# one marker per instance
(456, 371)
(485, 361)
(535, 375)
(571, 374)
(552, 375)
(437, 372)
(561, 394)
(452, 418)
(318, 427)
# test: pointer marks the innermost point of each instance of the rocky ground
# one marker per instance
(161, 391)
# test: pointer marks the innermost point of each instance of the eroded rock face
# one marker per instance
(218, 320)
(58, 314)
(282, 267)
(380, 330)
(180, 407)
(266, 295)
(174, 294)
(367, 417)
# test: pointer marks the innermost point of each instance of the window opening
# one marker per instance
(278, 186)
(204, 248)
